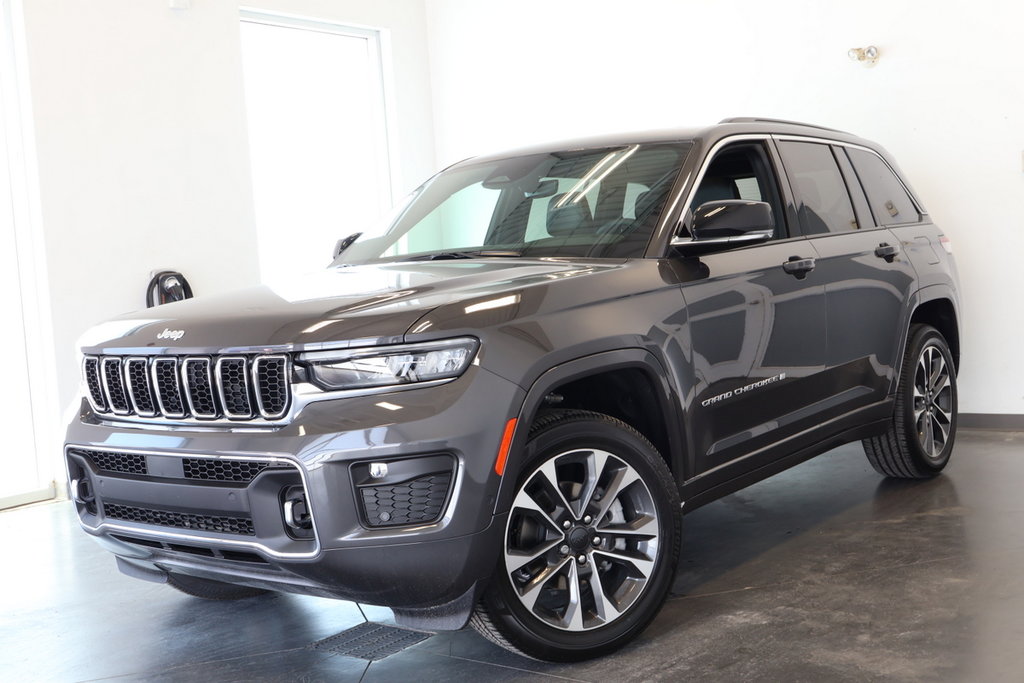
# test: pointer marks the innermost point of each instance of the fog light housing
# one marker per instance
(410, 491)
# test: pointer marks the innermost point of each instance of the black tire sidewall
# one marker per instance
(924, 337)
(530, 634)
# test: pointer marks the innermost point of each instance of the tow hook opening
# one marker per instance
(295, 509)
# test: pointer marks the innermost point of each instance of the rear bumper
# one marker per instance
(423, 553)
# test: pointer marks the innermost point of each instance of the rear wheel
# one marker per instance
(211, 590)
(590, 545)
(920, 438)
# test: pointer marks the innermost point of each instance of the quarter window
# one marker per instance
(823, 204)
(889, 200)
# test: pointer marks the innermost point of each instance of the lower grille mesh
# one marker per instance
(107, 461)
(180, 520)
(222, 470)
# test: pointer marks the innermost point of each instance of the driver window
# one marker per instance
(741, 171)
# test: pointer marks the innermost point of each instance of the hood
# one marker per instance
(341, 306)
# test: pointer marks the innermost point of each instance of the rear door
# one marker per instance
(866, 276)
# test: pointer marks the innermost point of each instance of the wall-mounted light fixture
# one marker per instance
(868, 56)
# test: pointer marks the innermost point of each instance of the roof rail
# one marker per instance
(757, 119)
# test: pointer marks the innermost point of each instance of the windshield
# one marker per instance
(581, 203)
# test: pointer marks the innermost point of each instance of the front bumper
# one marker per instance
(236, 530)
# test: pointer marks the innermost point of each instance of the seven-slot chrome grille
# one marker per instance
(233, 387)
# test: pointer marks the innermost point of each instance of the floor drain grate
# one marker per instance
(371, 641)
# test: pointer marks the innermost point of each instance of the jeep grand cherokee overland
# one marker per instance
(496, 408)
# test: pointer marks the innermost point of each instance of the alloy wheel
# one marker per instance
(933, 401)
(582, 540)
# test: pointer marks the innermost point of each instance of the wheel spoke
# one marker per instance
(525, 501)
(606, 609)
(642, 564)
(515, 560)
(618, 483)
(548, 471)
(532, 590)
(573, 618)
(946, 414)
(595, 468)
(644, 526)
(929, 437)
(938, 365)
(943, 433)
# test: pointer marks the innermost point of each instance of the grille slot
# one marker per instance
(110, 461)
(211, 469)
(168, 388)
(136, 372)
(419, 501)
(113, 382)
(233, 385)
(199, 387)
(270, 377)
(91, 370)
(180, 520)
(181, 387)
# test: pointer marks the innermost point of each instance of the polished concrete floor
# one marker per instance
(824, 573)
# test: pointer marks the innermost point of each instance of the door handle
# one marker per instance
(798, 266)
(887, 251)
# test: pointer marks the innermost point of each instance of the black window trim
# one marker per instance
(842, 143)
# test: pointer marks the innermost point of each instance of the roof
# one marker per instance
(725, 128)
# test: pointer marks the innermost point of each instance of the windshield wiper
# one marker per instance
(476, 253)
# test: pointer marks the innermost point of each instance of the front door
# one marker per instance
(756, 331)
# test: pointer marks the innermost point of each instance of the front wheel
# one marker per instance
(920, 437)
(591, 542)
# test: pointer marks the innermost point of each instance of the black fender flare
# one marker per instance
(641, 359)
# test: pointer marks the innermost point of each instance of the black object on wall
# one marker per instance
(166, 287)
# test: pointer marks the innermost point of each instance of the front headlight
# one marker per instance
(390, 365)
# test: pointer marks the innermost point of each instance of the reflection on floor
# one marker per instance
(824, 573)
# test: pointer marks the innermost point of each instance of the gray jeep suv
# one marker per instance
(496, 408)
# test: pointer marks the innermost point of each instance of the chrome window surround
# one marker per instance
(839, 143)
(215, 540)
(763, 137)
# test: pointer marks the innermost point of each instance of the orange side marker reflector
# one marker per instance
(506, 443)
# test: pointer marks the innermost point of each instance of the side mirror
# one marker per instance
(727, 224)
(342, 245)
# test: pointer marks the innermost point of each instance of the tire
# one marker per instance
(628, 537)
(919, 440)
(211, 590)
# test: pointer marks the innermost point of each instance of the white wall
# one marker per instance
(945, 99)
(142, 155)
(142, 148)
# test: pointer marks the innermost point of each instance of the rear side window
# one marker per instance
(889, 201)
(823, 203)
